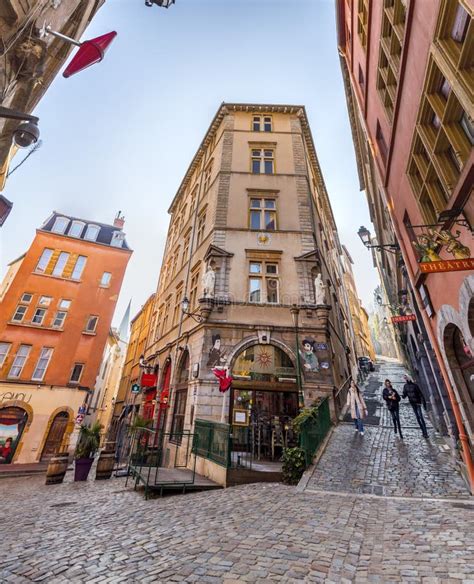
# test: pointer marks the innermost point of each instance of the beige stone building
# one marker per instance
(251, 235)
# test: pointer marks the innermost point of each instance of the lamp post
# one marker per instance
(366, 239)
(162, 3)
(185, 308)
(295, 313)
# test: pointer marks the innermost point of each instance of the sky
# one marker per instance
(121, 134)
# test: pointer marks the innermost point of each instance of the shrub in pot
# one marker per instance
(87, 446)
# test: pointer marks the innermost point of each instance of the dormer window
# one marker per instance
(118, 237)
(76, 229)
(92, 232)
(60, 225)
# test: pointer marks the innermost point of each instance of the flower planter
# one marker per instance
(105, 464)
(57, 468)
(82, 468)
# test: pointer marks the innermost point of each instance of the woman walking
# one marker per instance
(392, 399)
(358, 407)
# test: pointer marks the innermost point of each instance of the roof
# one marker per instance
(106, 235)
(255, 108)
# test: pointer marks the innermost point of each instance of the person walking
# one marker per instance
(392, 399)
(358, 408)
(416, 398)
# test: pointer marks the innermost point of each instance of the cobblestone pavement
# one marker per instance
(380, 462)
(106, 533)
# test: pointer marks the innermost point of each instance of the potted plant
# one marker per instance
(87, 446)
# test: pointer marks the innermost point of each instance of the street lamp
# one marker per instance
(27, 133)
(295, 313)
(162, 3)
(185, 308)
(366, 239)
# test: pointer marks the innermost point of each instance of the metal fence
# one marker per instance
(314, 429)
(213, 441)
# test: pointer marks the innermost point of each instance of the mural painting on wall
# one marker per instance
(263, 363)
(311, 363)
(217, 354)
(12, 423)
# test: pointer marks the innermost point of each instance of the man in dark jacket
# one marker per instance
(392, 399)
(416, 398)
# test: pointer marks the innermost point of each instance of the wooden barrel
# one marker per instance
(57, 468)
(105, 465)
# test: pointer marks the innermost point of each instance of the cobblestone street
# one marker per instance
(331, 532)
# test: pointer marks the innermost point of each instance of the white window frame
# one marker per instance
(92, 232)
(60, 304)
(16, 312)
(42, 318)
(44, 300)
(56, 228)
(71, 380)
(262, 209)
(42, 364)
(106, 284)
(19, 361)
(57, 317)
(78, 224)
(4, 350)
(44, 260)
(262, 155)
(79, 267)
(264, 277)
(260, 123)
(60, 265)
(89, 319)
(23, 301)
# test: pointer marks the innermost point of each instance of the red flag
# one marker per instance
(225, 380)
(89, 53)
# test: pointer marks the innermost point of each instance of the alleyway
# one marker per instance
(343, 527)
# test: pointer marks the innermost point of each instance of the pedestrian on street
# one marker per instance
(392, 399)
(358, 408)
(416, 398)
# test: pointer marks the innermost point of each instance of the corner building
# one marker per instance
(407, 68)
(253, 212)
(56, 307)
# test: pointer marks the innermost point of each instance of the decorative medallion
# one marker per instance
(263, 239)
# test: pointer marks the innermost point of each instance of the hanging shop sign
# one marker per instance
(135, 388)
(149, 380)
(403, 318)
(430, 244)
(447, 266)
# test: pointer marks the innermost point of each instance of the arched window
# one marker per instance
(461, 363)
(12, 423)
(263, 363)
(180, 399)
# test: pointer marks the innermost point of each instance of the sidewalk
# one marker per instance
(18, 470)
(380, 463)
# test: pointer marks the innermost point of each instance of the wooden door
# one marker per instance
(55, 436)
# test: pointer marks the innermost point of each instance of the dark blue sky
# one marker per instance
(121, 134)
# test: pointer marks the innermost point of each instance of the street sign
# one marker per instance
(403, 318)
(135, 388)
(447, 266)
(79, 419)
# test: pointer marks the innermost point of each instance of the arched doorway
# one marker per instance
(180, 399)
(461, 363)
(164, 395)
(12, 423)
(55, 436)
(263, 401)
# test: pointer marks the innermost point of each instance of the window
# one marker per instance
(178, 415)
(91, 324)
(76, 372)
(460, 25)
(61, 264)
(76, 229)
(207, 177)
(194, 195)
(105, 280)
(200, 228)
(383, 149)
(19, 313)
(19, 361)
(193, 289)
(64, 304)
(38, 316)
(467, 125)
(60, 225)
(362, 19)
(260, 123)
(78, 268)
(177, 304)
(26, 298)
(166, 315)
(187, 240)
(44, 300)
(92, 232)
(44, 260)
(264, 285)
(118, 239)
(263, 214)
(361, 78)
(59, 319)
(263, 161)
(4, 349)
(42, 365)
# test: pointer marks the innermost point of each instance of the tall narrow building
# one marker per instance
(252, 242)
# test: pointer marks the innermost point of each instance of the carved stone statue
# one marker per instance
(208, 282)
(319, 290)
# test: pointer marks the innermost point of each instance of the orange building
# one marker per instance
(56, 307)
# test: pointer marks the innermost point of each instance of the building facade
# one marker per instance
(29, 63)
(406, 66)
(252, 239)
(56, 308)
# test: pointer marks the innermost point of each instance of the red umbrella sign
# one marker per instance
(89, 53)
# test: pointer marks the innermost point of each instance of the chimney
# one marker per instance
(119, 220)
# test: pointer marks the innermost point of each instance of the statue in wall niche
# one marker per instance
(208, 282)
(319, 290)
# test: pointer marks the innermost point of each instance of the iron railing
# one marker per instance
(314, 429)
(212, 441)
